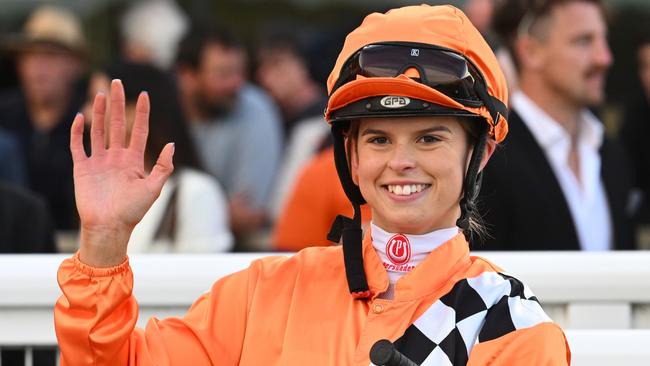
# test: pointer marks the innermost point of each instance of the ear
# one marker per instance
(490, 146)
(529, 53)
(186, 77)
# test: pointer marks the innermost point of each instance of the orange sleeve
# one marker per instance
(96, 315)
(542, 344)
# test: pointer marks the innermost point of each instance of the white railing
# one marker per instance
(603, 298)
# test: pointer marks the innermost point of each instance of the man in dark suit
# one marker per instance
(557, 183)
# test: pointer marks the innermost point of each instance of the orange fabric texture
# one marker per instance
(314, 202)
(279, 311)
(444, 26)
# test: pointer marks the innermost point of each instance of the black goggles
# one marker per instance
(439, 68)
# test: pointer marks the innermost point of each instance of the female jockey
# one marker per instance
(417, 105)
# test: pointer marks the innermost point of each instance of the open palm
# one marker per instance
(111, 188)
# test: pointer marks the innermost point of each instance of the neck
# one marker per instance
(560, 108)
(192, 111)
(46, 114)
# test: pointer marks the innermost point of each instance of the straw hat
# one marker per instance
(56, 28)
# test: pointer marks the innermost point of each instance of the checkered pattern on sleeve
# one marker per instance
(476, 310)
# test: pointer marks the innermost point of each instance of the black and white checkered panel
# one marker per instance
(476, 310)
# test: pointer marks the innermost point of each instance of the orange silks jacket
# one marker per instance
(452, 309)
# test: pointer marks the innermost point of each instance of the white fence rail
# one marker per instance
(602, 298)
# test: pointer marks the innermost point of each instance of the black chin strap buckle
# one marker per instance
(336, 230)
(349, 231)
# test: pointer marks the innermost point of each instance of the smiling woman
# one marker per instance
(420, 116)
(414, 165)
(410, 171)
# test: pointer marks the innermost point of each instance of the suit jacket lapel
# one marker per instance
(542, 178)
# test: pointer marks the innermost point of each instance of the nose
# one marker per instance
(402, 158)
(603, 55)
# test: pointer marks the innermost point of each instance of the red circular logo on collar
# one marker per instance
(398, 249)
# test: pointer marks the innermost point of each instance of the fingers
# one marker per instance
(97, 141)
(141, 124)
(117, 116)
(162, 170)
(76, 139)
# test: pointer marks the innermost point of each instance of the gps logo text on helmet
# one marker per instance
(398, 249)
(393, 101)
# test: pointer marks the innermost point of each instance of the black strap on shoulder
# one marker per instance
(349, 229)
(353, 256)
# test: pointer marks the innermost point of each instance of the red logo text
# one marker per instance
(398, 249)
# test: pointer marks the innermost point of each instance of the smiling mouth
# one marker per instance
(406, 189)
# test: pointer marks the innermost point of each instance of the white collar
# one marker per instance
(400, 253)
(548, 132)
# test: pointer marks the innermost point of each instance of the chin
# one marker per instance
(409, 224)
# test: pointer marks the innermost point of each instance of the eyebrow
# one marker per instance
(371, 131)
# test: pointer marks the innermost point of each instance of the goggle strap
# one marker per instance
(494, 105)
(500, 108)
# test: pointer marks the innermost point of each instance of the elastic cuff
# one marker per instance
(99, 271)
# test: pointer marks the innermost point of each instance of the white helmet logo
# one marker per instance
(415, 52)
(393, 101)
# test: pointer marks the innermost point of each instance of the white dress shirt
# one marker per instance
(587, 200)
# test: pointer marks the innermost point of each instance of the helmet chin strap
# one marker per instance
(344, 227)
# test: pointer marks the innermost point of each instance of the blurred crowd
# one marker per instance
(254, 165)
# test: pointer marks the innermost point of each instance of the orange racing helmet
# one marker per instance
(440, 42)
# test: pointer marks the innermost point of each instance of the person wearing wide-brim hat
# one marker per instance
(417, 104)
(50, 28)
(49, 54)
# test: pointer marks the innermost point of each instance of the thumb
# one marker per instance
(162, 170)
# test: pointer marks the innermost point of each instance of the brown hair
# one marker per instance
(512, 17)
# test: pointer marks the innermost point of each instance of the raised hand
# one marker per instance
(111, 188)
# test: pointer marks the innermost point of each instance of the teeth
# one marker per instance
(406, 190)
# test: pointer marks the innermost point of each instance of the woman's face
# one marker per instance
(410, 170)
